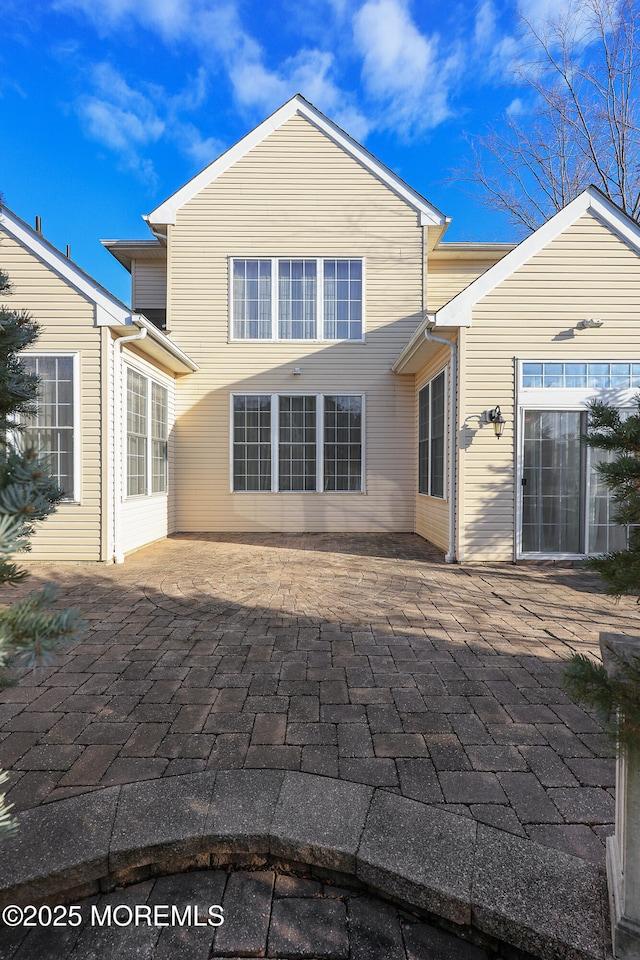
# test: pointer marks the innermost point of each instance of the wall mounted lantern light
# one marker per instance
(495, 417)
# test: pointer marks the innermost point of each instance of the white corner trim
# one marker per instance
(166, 212)
(457, 312)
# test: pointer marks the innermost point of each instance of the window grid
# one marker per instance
(147, 436)
(432, 437)
(342, 299)
(252, 299)
(136, 433)
(298, 443)
(342, 443)
(159, 438)
(620, 376)
(252, 443)
(296, 299)
(50, 429)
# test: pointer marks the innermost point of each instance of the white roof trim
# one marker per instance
(109, 311)
(457, 312)
(116, 312)
(166, 212)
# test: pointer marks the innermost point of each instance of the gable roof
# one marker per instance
(166, 212)
(458, 311)
(109, 311)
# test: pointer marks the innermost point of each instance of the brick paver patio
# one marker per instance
(363, 657)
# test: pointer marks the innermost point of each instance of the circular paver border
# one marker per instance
(547, 903)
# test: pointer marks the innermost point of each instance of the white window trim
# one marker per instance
(274, 338)
(445, 469)
(564, 399)
(125, 434)
(77, 466)
(275, 440)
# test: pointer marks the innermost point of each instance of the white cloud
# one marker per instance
(485, 24)
(129, 121)
(169, 17)
(515, 108)
(403, 69)
(410, 75)
(263, 89)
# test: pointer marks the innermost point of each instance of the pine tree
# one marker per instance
(28, 493)
(616, 699)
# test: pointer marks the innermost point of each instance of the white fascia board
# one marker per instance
(166, 212)
(412, 345)
(108, 308)
(156, 344)
(165, 343)
(457, 312)
(108, 312)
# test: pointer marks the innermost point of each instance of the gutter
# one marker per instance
(118, 430)
(450, 556)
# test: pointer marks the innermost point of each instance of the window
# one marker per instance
(252, 443)
(286, 299)
(431, 437)
(51, 429)
(573, 376)
(342, 443)
(159, 438)
(299, 443)
(564, 507)
(147, 435)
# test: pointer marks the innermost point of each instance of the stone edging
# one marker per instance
(545, 902)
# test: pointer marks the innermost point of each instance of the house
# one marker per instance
(107, 412)
(307, 353)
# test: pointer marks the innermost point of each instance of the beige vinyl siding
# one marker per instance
(149, 285)
(585, 272)
(446, 278)
(146, 518)
(432, 514)
(297, 194)
(67, 321)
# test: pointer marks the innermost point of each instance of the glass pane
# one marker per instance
(50, 429)
(342, 299)
(297, 446)
(604, 534)
(551, 515)
(437, 436)
(297, 291)
(343, 443)
(252, 443)
(252, 299)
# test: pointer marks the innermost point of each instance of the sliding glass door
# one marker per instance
(566, 509)
(551, 478)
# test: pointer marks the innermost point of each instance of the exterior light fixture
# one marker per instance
(297, 371)
(495, 417)
(589, 323)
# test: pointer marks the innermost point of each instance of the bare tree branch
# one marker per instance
(582, 71)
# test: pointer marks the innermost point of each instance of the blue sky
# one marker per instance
(109, 106)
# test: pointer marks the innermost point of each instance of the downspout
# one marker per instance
(450, 557)
(118, 553)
